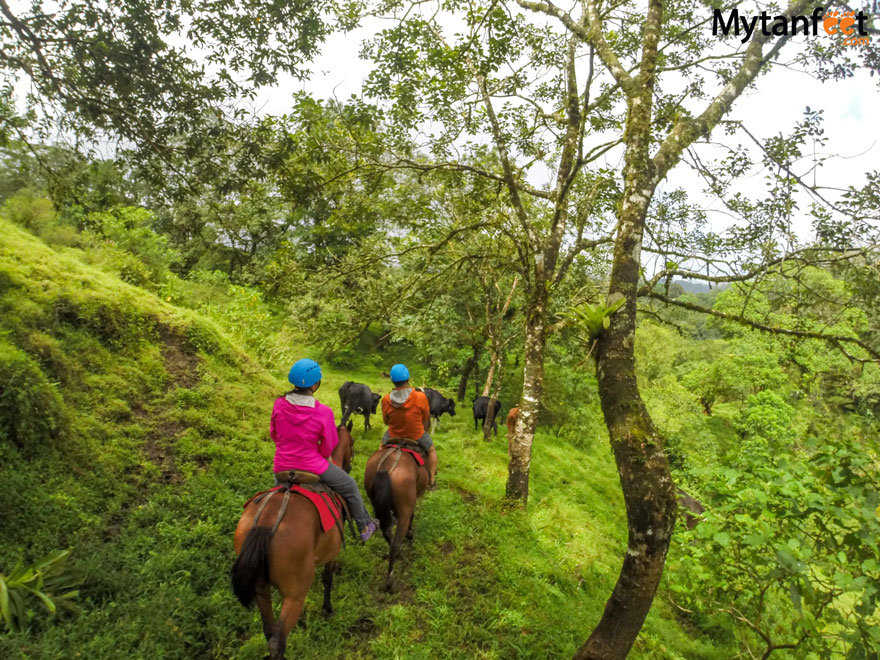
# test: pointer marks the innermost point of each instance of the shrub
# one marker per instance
(766, 415)
(128, 228)
(31, 410)
(37, 214)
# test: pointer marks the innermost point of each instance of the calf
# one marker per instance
(512, 417)
(693, 505)
(357, 398)
(481, 408)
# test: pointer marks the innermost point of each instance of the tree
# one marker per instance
(120, 71)
(483, 83)
(787, 554)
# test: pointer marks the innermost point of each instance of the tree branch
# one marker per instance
(835, 340)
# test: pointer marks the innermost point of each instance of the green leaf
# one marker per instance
(4, 602)
(50, 559)
(795, 594)
(46, 600)
(721, 538)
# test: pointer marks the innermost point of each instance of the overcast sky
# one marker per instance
(852, 114)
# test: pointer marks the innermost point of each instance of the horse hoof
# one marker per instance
(327, 613)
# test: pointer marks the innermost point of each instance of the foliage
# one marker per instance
(732, 370)
(184, 418)
(124, 69)
(45, 580)
(34, 213)
(129, 229)
(768, 417)
(787, 556)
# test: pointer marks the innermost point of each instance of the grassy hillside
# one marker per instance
(134, 428)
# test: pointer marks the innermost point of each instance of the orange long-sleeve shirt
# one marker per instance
(408, 420)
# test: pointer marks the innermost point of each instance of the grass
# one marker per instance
(163, 421)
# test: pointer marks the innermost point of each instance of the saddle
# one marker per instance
(331, 506)
(400, 445)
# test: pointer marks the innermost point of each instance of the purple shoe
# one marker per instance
(369, 530)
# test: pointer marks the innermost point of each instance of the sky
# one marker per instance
(851, 111)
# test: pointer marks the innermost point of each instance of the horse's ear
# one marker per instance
(349, 425)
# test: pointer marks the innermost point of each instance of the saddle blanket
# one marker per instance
(418, 455)
(327, 514)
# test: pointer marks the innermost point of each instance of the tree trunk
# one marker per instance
(648, 493)
(468, 367)
(645, 479)
(493, 365)
(519, 448)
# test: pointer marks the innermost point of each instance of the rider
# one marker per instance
(406, 413)
(304, 431)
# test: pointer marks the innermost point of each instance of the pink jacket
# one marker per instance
(304, 436)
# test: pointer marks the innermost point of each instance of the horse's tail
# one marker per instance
(380, 496)
(252, 566)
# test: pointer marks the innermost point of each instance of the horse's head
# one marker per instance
(344, 451)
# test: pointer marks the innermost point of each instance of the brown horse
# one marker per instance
(287, 559)
(394, 488)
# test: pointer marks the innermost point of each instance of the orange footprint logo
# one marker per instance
(839, 22)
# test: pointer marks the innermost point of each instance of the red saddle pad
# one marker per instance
(328, 513)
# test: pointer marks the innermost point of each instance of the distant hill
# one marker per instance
(692, 287)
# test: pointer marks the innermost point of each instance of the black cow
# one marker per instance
(439, 404)
(357, 398)
(481, 407)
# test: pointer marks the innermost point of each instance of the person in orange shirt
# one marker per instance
(406, 413)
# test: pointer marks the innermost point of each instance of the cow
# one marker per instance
(481, 407)
(694, 506)
(512, 417)
(439, 405)
(357, 398)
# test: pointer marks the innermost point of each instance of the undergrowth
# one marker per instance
(137, 428)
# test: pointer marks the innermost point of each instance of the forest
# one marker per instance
(564, 209)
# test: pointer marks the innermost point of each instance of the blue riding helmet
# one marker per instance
(304, 373)
(399, 373)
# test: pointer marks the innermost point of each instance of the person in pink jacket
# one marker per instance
(304, 431)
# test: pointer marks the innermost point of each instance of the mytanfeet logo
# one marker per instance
(850, 26)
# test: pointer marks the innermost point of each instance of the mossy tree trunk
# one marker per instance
(519, 447)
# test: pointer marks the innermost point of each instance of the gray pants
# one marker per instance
(425, 441)
(340, 481)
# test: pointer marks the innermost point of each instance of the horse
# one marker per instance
(286, 559)
(394, 481)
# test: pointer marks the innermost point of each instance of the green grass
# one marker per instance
(163, 434)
